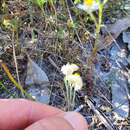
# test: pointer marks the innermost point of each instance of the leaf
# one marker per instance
(120, 96)
(39, 3)
(115, 29)
(35, 75)
(126, 38)
(11, 24)
(77, 1)
(120, 25)
(70, 24)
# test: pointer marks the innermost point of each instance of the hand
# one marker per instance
(20, 114)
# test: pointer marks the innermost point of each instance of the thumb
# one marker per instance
(68, 121)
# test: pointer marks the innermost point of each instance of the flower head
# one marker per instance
(68, 69)
(89, 6)
(74, 81)
(88, 2)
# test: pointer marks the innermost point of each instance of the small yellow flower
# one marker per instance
(68, 69)
(6, 22)
(89, 6)
(74, 81)
(88, 2)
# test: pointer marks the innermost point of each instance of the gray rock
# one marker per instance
(119, 95)
(40, 94)
(38, 82)
(126, 38)
(35, 75)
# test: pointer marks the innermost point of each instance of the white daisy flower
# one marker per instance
(68, 69)
(74, 81)
(89, 6)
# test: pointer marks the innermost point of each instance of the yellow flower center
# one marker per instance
(88, 2)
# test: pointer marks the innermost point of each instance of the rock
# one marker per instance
(38, 82)
(39, 94)
(118, 56)
(119, 95)
(35, 75)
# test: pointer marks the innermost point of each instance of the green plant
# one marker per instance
(3, 65)
(3, 87)
(39, 3)
(98, 24)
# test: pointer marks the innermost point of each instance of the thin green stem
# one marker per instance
(73, 100)
(3, 87)
(70, 94)
(93, 18)
(98, 28)
(30, 11)
(67, 93)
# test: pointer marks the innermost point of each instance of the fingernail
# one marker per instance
(76, 120)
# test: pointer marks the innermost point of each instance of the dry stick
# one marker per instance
(15, 60)
(16, 66)
(79, 108)
(107, 123)
(54, 64)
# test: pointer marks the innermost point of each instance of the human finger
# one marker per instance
(66, 121)
(16, 114)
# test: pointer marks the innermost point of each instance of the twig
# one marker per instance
(107, 123)
(54, 64)
(15, 60)
(79, 108)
